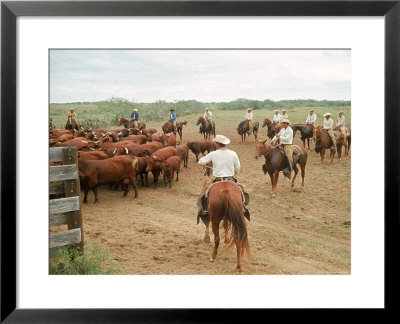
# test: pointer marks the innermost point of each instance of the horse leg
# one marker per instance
(303, 174)
(308, 142)
(271, 175)
(332, 155)
(239, 251)
(322, 156)
(227, 239)
(276, 176)
(215, 229)
(296, 170)
(207, 233)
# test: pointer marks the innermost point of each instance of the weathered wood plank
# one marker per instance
(56, 154)
(65, 238)
(58, 219)
(63, 172)
(63, 205)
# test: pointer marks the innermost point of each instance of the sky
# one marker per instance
(203, 75)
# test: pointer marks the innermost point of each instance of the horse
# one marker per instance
(225, 204)
(275, 162)
(169, 128)
(71, 124)
(244, 128)
(306, 133)
(206, 128)
(324, 142)
(129, 124)
(270, 127)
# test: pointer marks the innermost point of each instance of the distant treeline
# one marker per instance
(102, 113)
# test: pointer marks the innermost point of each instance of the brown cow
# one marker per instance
(201, 147)
(141, 150)
(157, 137)
(183, 153)
(149, 132)
(139, 164)
(154, 161)
(94, 173)
(92, 155)
(168, 167)
(79, 143)
(169, 139)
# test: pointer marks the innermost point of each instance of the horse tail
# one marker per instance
(234, 221)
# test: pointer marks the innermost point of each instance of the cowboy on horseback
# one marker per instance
(328, 127)
(226, 165)
(208, 115)
(172, 118)
(311, 118)
(135, 118)
(286, 140)
(249, 118)
(72, 115)
(277, 118)
(341, 123)
(284, 115)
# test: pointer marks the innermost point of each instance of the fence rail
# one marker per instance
(64, 181)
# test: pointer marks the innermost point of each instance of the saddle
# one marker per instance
(245, 195)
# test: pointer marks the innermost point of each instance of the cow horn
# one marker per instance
(154, 157)
(126, 150)
(114, 151)
(97, 142)
(84, 142)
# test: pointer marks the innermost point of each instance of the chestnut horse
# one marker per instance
(275, 162)
(271, 128)
(244, 128)
(225, 204)
(71, 124)
(324, 142)
(169, 128)
(207, 128)
(129, 124)
(306, 132)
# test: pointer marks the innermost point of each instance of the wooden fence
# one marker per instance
(64, 181)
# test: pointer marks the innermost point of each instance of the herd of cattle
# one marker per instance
(118, 157)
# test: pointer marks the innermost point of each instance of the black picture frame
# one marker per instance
(11, 10)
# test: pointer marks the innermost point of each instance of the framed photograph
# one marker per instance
(161, 88)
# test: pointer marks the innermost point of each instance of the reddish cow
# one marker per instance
(149, 132)
(139, 163)
(169, 139)
(201, 147)
(168, 167)
(183, 153)
(94, 173)
(153, 162)
(92, 155)
(141, 150)
(65, 137)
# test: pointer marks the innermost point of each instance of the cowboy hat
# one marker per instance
(341, 112)
(283, 110)
(248, 108)
(135, 109)
(72, 109)
(327, 114)
(310, 109)
(207, 108)
(172, 109)
(221, 139)
(285, 120)
(277, 110)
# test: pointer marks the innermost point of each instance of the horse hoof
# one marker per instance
(211, 259)
(206, 239)
(238, 269)
(273, 195)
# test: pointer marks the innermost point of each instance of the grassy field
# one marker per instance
(106, 114)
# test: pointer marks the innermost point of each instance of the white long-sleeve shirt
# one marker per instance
(284, 116)
(285, 135)
(341, 121)
(277, 118)
(249, 116)
(225, 162)
(311, 118)
(328, 124)
(207, 115)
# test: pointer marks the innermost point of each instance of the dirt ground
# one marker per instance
(302, 232)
